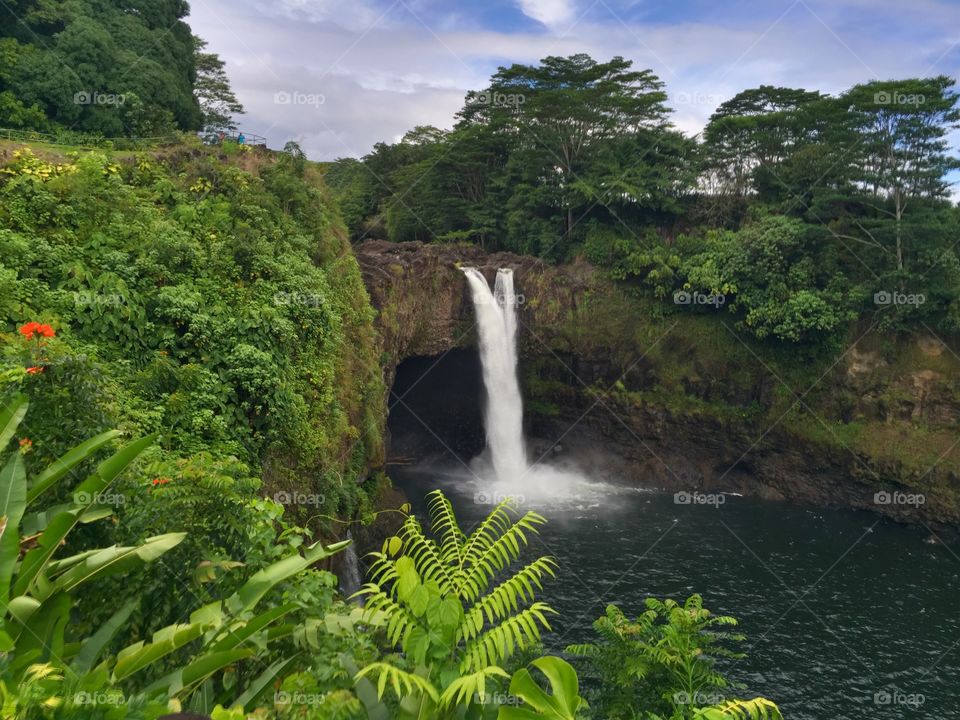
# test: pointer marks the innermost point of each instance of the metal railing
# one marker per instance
(234, 136)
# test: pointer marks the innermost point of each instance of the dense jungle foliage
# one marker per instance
(796, 211)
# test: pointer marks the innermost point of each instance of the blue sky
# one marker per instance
(340, 75)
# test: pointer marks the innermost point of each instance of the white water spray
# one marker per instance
(497, 324)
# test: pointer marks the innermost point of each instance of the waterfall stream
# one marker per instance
(350, 579)
(503, 418)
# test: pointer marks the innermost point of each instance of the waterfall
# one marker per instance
(497, 324)
(350, 579)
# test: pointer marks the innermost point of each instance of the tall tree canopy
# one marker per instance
(113, 68)
(218, 103)
(846, 195)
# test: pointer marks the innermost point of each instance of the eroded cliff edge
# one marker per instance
(682, 400)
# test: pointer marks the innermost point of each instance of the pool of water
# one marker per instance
(846, 616)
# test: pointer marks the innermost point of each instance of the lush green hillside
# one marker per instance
(209, 298)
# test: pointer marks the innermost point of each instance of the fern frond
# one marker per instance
(517, 632)
(443, 523)
(403, 683)
(583, 650)
(756, 709)
(395, 618)
(491, 554)
(488, 531)
(382, 570)
(427, 558)
(461, 691)
(508, 597)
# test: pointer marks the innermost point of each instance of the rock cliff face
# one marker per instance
(424, 304)
(684, 401)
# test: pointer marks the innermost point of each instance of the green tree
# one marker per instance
(903, 155)
(767, 274)
(752, 134)
(77, 61)
(218, 103)
(564, 109)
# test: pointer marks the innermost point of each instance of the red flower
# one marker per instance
(28, 330)
(159, 481)
(34, 370)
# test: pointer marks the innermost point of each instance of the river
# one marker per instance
(846, 616)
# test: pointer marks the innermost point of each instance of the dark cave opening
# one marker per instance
(436, 408)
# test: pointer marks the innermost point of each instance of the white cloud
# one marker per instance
(381, 78)
(549, 12)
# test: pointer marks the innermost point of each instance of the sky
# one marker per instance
(338, 76)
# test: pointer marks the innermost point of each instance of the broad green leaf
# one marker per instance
(392, 546)
(136, 657)
(42, 637)
(64, 464)
(95, 644)
(11, 415)
(116, 559)
(241, 631)
(262, 681)
(418, 601)
(197, 671)
(561, 704)
(58, 528)
(13, 501)
(22, 607)
(260, 584)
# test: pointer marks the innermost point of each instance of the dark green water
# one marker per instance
(847, 617)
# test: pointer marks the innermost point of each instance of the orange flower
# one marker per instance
(159, 481)
(28, 329)
(25, 442)
(34, 370)
(32, 328)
